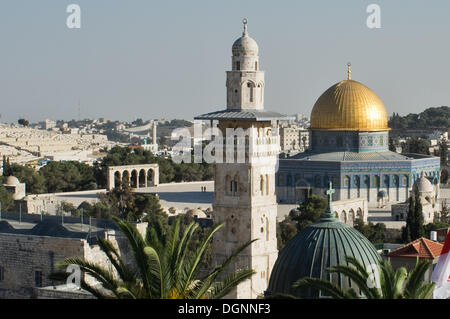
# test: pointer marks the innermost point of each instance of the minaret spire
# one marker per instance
(349, 71)
(245, 33)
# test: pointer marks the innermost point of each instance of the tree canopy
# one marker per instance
(431, 118)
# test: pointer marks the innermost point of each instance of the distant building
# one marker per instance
(428, 195)
(290, 138)
(49, 124)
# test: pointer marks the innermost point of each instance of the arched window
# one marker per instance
(261, 184)
(405, 180)
(367, 181)
(343, 217)
(250, 86)
(359, 214)
(396, 181)
(346, 181)
(238, 65)
(117, 179)
(229, 185)
(386, 181)
(256, 65)
(234, 186)
(376, 181)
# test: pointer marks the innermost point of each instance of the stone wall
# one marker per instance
(23, 255)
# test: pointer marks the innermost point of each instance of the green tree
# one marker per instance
(430, 119)
(414, 221)
(6, 199)
(286, 230)
(310, 211)
(6, 166)
(416, 145)
(397, 284)
(166, 268)
(34, 182)
(68, 176)
(373, 232)
(393, 143)
(121, 203)
(67, 207)
(23, 122)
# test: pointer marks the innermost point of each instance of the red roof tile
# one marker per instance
(422, 248)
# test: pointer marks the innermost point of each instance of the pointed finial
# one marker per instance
(244, 21)
(330, 193)
(328, 215)
(349, 71)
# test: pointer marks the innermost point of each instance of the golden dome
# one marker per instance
(349, 106)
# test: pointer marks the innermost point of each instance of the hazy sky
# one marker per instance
(167, 59)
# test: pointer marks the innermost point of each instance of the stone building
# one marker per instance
(244, 195)
(29, 255)
(137, 176)
(293, 138)
(350, 146)
(408, 255)
(428, 196)
(289, 138)
(15, 187)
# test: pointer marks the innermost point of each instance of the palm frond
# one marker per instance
(359, 279)
(137, 245)
(113, 255)
(99, 273)
(155, 268)
(416, 278)
(326, 287)
(221, 289)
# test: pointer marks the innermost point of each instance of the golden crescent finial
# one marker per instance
(349, 71)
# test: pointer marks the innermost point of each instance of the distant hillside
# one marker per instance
(431, 118)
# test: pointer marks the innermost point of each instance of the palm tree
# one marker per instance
(392, 284)
(165, 267)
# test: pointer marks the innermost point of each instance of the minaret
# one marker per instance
(244, 195)
(245, 83)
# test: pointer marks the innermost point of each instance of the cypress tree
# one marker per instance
(406, 232)
(418, 218)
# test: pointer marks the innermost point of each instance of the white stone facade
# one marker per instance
(348, 210)
(137, 176)
(244, 195)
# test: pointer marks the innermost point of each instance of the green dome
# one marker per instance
(317, 247)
